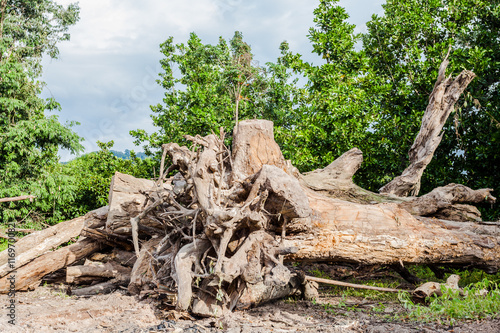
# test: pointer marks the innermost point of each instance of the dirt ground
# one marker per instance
(49, 310)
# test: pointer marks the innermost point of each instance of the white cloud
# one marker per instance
(105, 75)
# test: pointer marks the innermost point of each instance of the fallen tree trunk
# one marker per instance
(227, 234)
(30, 275)
(38, 243)
(387, 234)
(107, 270)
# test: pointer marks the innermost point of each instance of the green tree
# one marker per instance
(373, 97)
(30, 140)
(332, 116)
(209, 86)
(405, 47)
(92, 175)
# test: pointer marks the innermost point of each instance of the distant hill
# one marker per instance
(126, 155)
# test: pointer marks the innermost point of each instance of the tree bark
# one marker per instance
(107, 270)
(385, 234)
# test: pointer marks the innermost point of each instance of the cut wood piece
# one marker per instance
(428, 289)
(142, 273)
(260, 293)
(107, 270)
(253, 147)
(98, 289)
(96, 218)
(386, 234)
(40, 242)
(441, 103)
(128, 197)
(29, 276)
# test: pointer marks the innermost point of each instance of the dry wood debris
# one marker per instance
(217, 235)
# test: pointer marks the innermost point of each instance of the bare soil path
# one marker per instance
(49, 310)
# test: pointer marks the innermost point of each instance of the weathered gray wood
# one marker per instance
(101, 288)
(127, 199)
(441, 102)
(107, 270)
(40, 242)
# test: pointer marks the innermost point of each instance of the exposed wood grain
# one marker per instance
(30, 275)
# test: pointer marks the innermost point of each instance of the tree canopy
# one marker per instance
(366, 90)
(29, 139)
(211, 86)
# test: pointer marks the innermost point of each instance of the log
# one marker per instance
(101, 288)
(107, 270)
(441, 103)
(40, 242)
(386, 234)
(30, 275)
(128, 197)
(43, 241)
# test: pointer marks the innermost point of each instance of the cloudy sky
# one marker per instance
(105, 76)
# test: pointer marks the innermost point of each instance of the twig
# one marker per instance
(350, 285)
(134, 221)
(162, 165)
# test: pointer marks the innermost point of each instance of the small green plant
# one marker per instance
(379, 308)
(319, 274)
(446, 309)
(3, 244)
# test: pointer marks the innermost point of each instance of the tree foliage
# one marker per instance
(373, 94)
(332, 117)
(210, 86)
(405, 48)
(366, 90)
(92, 175)
(30, 140)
